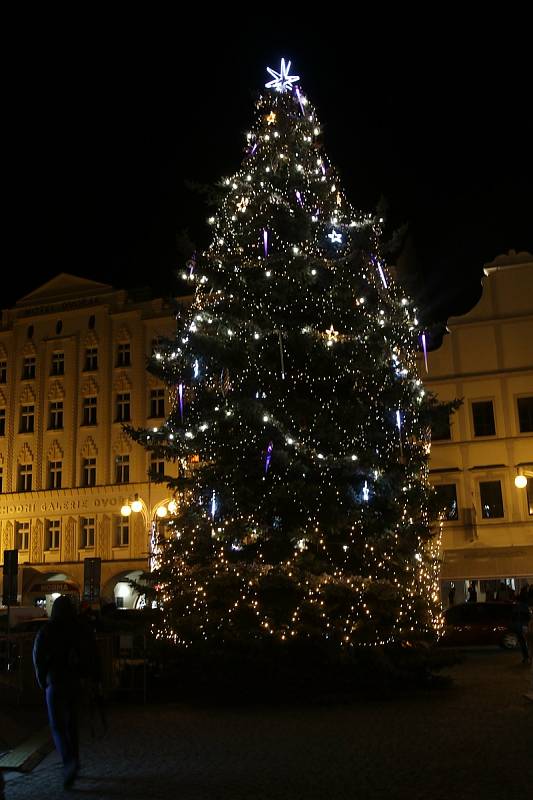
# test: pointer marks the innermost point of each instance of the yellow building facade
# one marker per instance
(487, 361)
(72, 371)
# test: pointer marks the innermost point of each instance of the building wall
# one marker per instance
(69, 315)
(488, 356)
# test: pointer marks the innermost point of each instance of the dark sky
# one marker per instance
(108, 118)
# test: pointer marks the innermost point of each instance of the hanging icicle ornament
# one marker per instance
(425, 349)
(298, 197)
(265, 242)
(399, 426)
(300, 99)
(366, 492)
(213, 505)
(196, 368)
(382, 274)
(281, 356)
(268, 456)
(191, 265)
(180, 395)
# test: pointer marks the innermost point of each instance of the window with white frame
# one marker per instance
(87, 532)
(157, 465)
(27, 419)
(23, 535)
(123, 407)
(124, 355)
(28, 368)
(88, 471)
(55, 472)
(53, 532)
(157, 403)
(58, 363)
(122, 531)
(25, 477)
(122, 469)
(56, 415)
(91, 359)
(89, 410)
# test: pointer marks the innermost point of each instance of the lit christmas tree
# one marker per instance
(295, 390)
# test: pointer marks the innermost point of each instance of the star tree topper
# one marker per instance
(282, 80)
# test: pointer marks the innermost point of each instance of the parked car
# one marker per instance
(480, 624)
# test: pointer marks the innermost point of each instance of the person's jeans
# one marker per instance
(62, 704)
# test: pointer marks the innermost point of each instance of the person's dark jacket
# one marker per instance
(64, 651)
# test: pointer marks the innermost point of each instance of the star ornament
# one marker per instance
(335, 236)
(332, 335)
(282, 80)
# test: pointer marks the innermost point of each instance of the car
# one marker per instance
(478, 624)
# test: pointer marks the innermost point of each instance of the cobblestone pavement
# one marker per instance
(474, 739)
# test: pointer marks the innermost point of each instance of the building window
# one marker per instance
(123, 407)
(59, 327)
(483, 417)
(157, 403)
(122, 532)
(2, 422)
(23, 535)
(25, 477)
(157, 466)
(122, 473)
(27, 419)
(447, 501)
(91, 359)
(3, 371)
(58, 363)
(525, 414)
(89, 472)
(56, 415)
(1, 478)
(28, 368)
(55, 469)
(92, 321)
(124, 355)
(89, 411)
(88, 528)
(53, 530)
(491, 499)
(441, 431)
(29, 332)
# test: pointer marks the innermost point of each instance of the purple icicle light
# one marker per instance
(425, 349)
(180, 393)
(265, 241)
(254, 148)
(268, 456)
(298, 197)
(382, 275)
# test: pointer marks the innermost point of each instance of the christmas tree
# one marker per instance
(299, 424)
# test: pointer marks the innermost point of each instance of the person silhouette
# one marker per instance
(64, 652)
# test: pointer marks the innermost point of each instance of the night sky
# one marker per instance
(109, 120)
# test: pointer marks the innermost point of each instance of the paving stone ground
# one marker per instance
(472, 740)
